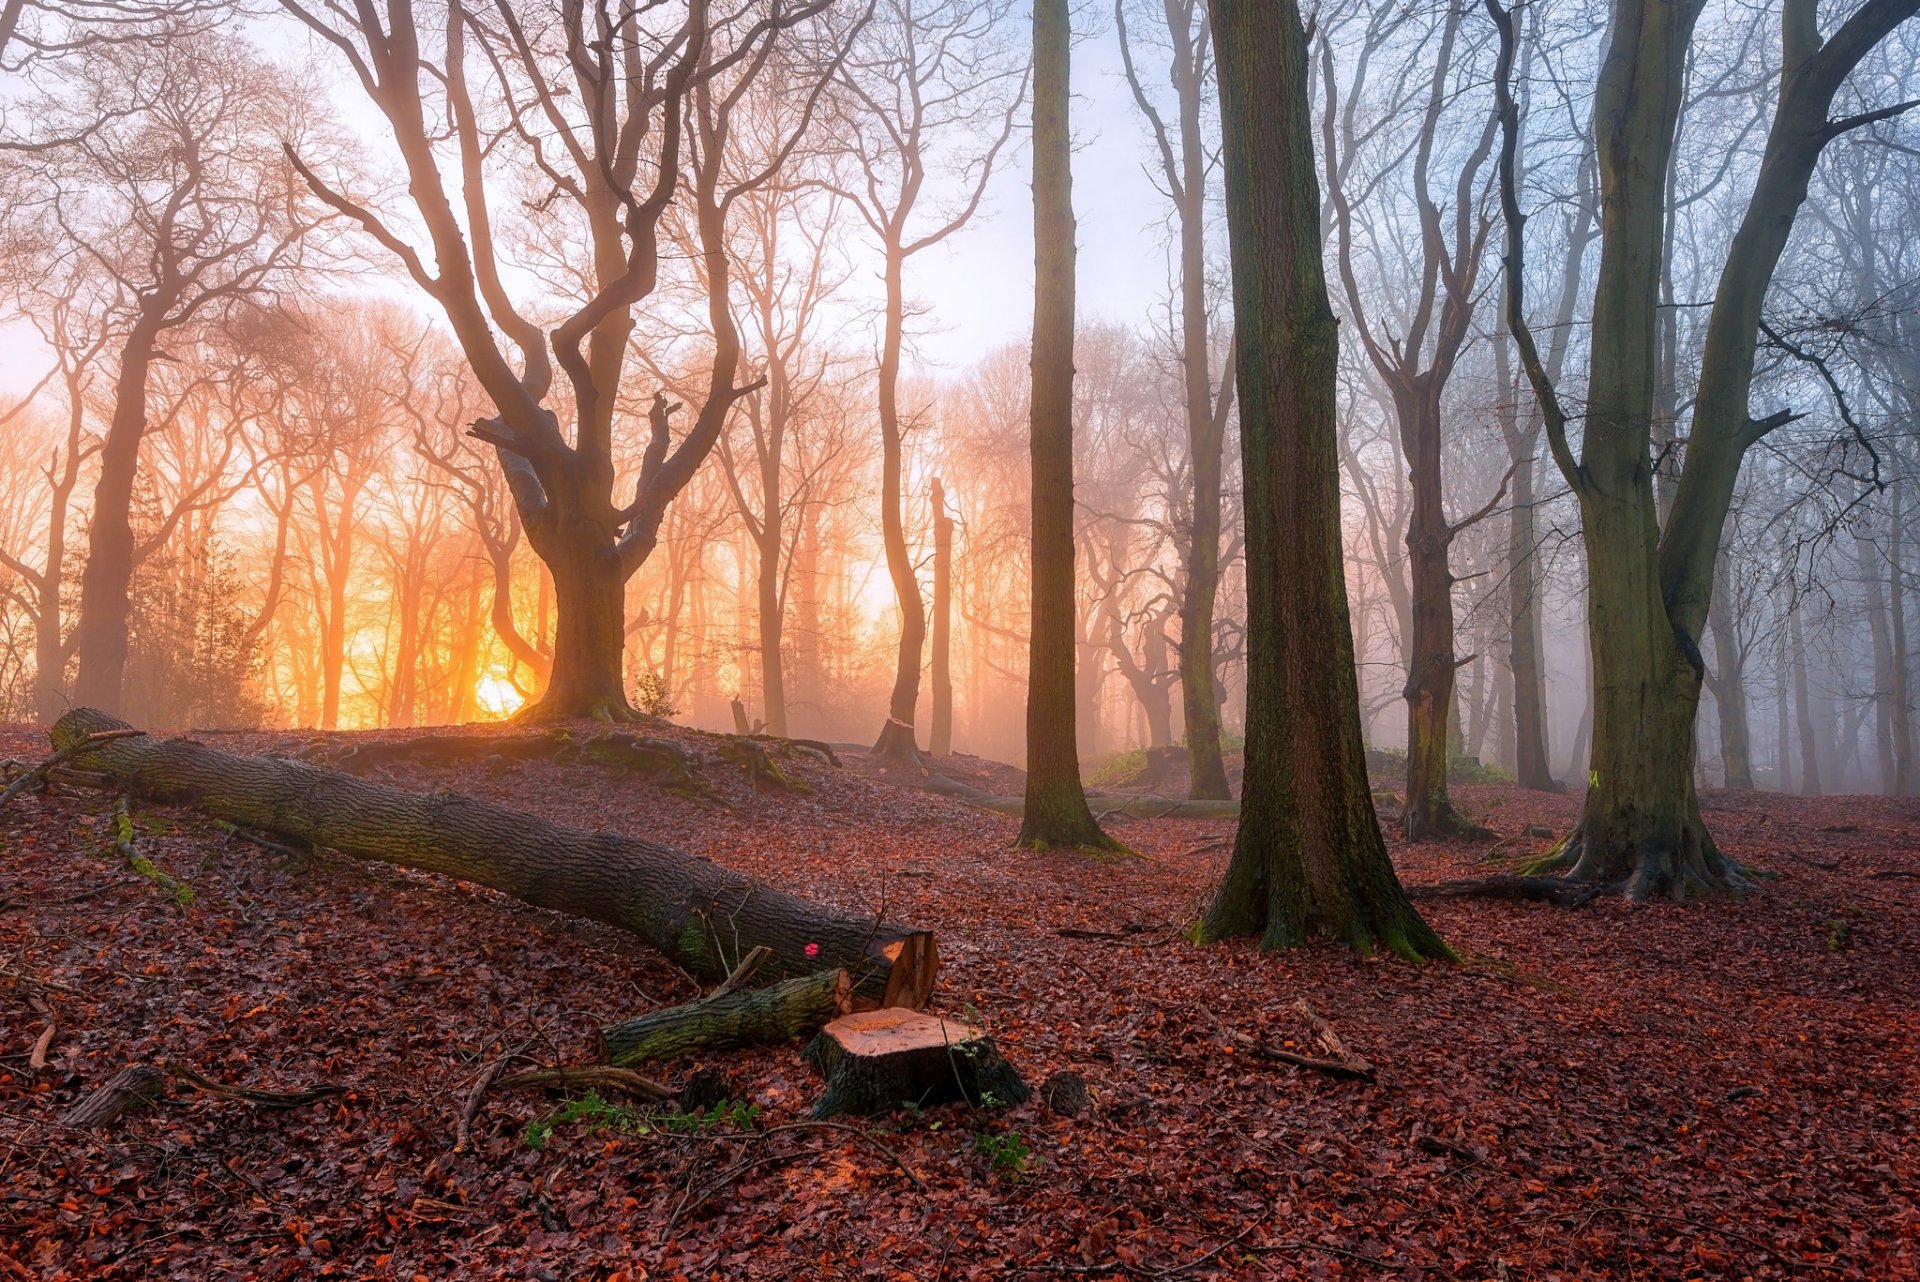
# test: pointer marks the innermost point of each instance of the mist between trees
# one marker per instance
(407, 364)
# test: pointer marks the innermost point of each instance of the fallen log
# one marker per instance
(694, 911)
(753, 1017)
(882, 1059)
(133, 1087)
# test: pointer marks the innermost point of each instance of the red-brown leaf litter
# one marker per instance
(1715, 1090)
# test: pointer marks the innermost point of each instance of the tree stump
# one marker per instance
(881, 1059)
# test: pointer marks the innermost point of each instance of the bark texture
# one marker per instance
(1056, 812)
(1309, 858)
(692, 910)
(754, 1017)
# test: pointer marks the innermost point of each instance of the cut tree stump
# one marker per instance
(691, 909)
(754, 1017)
(882, 1059)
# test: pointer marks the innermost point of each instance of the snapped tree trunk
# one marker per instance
(1056, 812)
(1308, 858)
(700, 915)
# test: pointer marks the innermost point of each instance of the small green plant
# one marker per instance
(1010, 1154)
(1840, 926)
(596, 1113)
(651, 696)
(738, 1114)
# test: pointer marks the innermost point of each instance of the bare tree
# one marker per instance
(929, 99)
(594, 98)
(159, 160)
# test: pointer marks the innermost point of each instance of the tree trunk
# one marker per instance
(1056, 813)
(590, 603)
(1532, 764)
(1730, 687)
(1899, 691)
(108, 577)
(701, 916)
(1308, 859)
(1866, 561)
(897, 742)
(940, 739)
(773, 677)
(1431, 666)
(1803, 710)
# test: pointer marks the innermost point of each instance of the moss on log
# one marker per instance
(755, 1017)
(685, 906)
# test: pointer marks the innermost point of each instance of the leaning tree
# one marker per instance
(1650, 581)
(591, 102)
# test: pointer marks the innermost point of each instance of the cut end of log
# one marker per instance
(913, 963)
(881, 1059)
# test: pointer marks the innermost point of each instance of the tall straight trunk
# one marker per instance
(1730, 687)
(773, 679)
(1531, 762)
(1056, 812)
(1431, 666)
(1899, 692)
(808, 676)
(1866, 560)
(1206, 440)
(1803, 710)
(897, 741)
(107, 580)
(1782, 724)
(1308, 858)
(1184, 166)
(940, 734)
(51, 646)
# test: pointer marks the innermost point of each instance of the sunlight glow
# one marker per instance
(496, 696)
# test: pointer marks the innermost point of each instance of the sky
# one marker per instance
(977, 286)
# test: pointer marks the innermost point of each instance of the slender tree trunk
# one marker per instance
(1730, 687)
(940, 741)
(1199, 702)
(1431, 666)
(1782, 724)
(1056, 812)
(896, 741)
(1866, 561)
(1803, 710)
(1308, 859)
(107, 580)
(1900, 689)
(1532, 762)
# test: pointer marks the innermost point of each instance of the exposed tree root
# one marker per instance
(1551, 890)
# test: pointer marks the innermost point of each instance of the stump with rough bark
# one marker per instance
(694, 911)
(883, 1059)
(755, 1017)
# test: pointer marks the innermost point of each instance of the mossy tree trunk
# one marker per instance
(1309, 858)
(1056, 812)
(1649, 587)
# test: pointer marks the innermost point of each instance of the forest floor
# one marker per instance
(1717, 1090)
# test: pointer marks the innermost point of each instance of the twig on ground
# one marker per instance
(65, 754)
(266, 1099)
